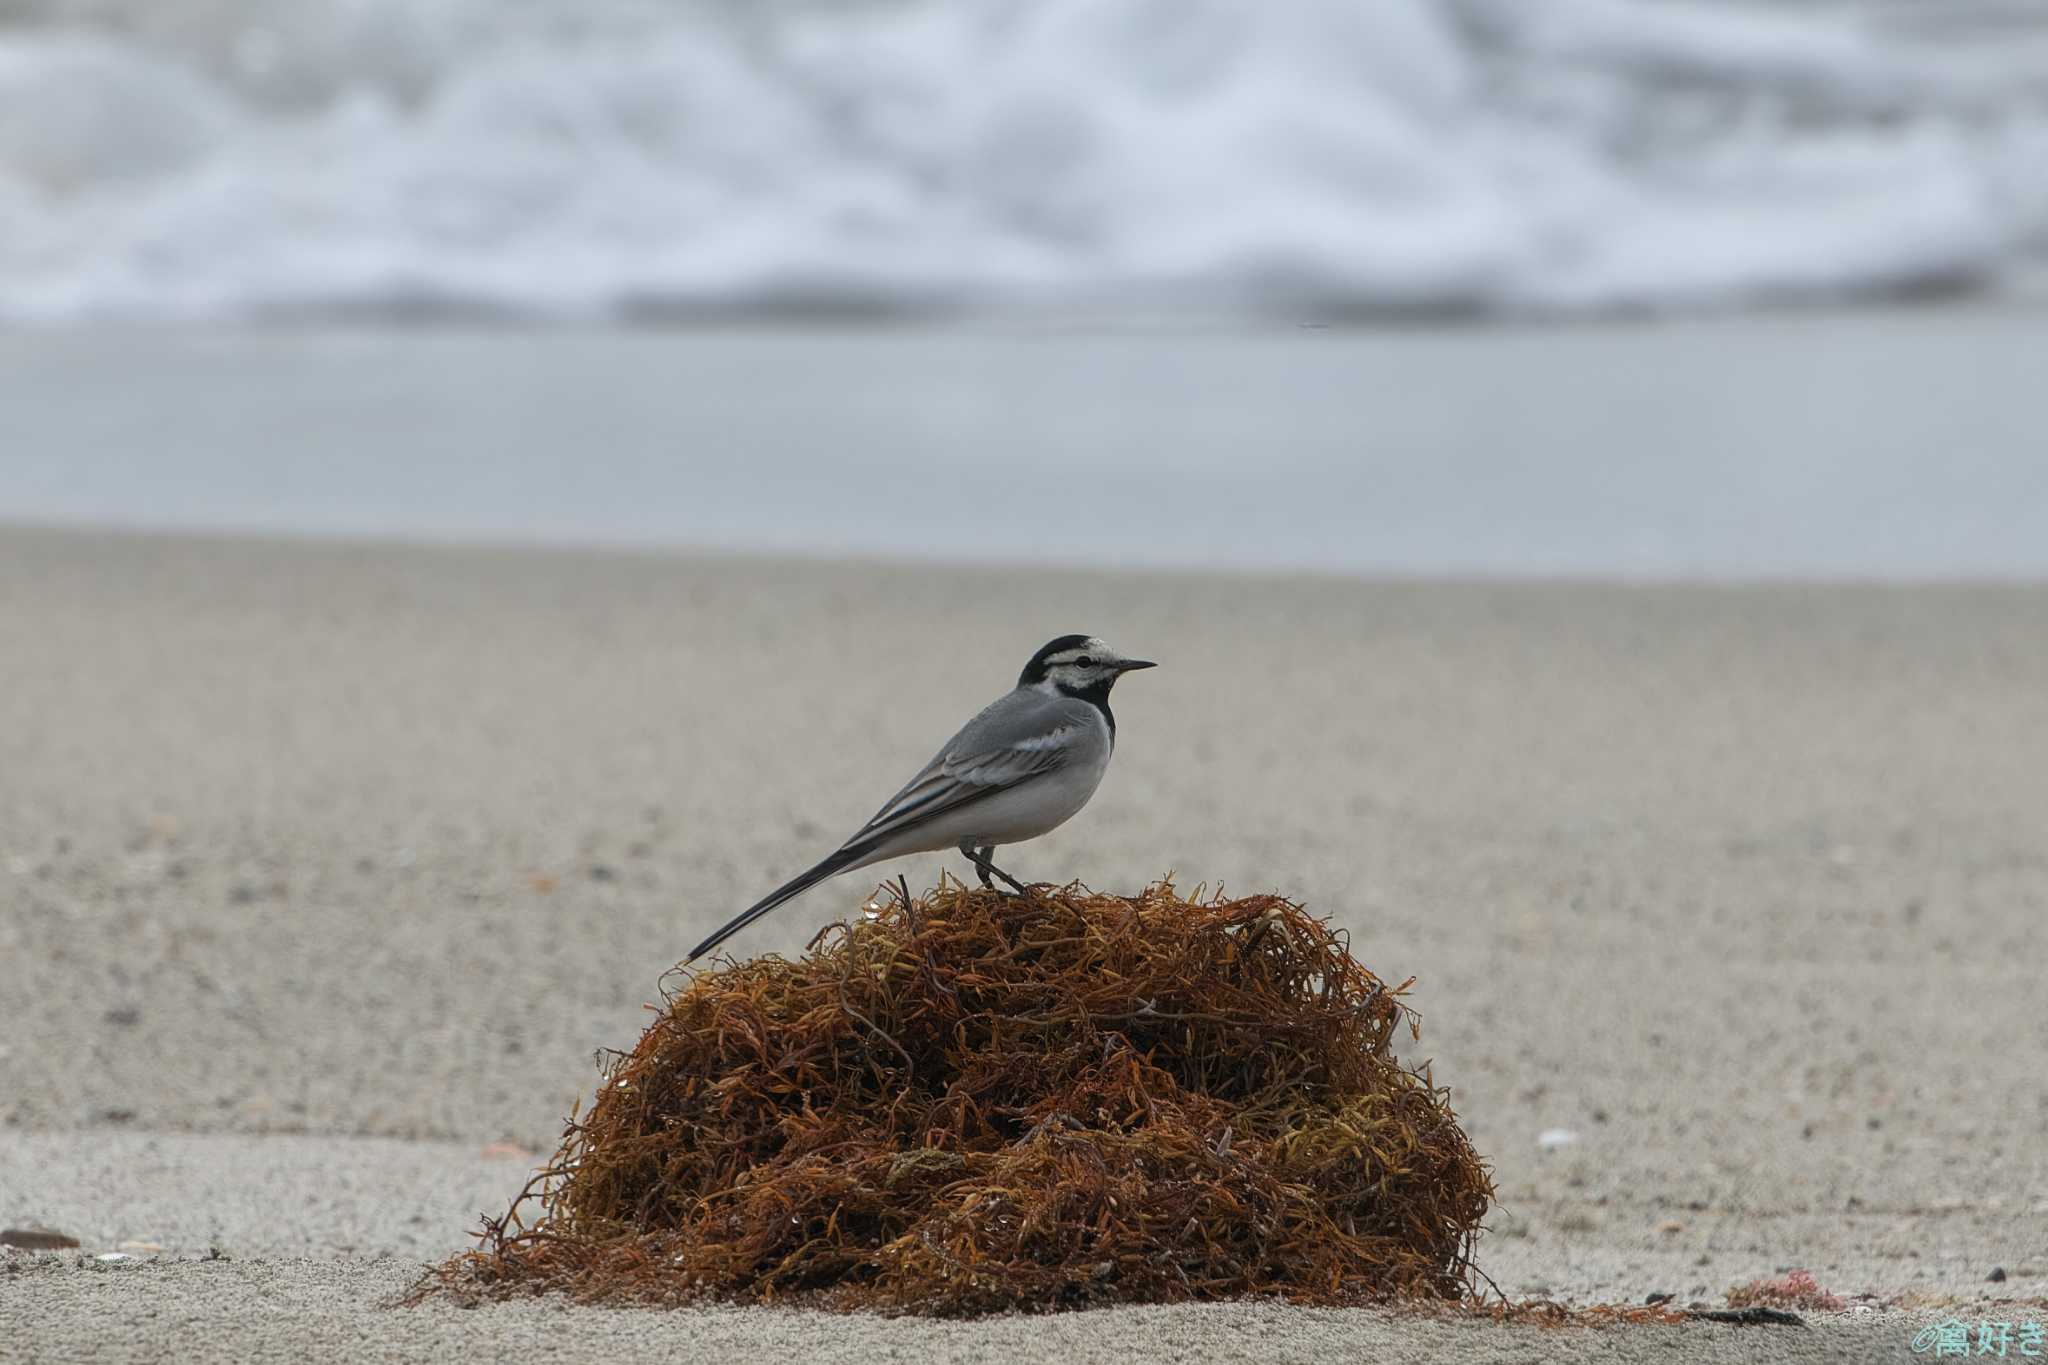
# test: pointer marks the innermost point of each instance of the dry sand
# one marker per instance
(324, 870)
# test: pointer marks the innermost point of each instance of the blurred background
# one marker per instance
(327, 860)
(1468, 286)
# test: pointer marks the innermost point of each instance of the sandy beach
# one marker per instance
(325, 868)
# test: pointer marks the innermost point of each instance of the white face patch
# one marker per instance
(1083, 666)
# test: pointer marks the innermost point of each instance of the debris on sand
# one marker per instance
(1793, 1289)
(978, 1102)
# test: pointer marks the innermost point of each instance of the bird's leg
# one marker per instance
(988, 866)
(984, 868)
(980, 861)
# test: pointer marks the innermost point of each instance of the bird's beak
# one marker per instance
(1133, 665)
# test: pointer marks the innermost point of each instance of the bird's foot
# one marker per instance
(1008, 880)
(985, 868)
(1014, 884)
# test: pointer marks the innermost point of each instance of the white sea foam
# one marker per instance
(592, 158)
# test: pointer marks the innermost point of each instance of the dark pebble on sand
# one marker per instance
(1660, 1297)
(1997, 1275)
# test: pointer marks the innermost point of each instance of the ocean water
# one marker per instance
(1865, 444)
(584, 160)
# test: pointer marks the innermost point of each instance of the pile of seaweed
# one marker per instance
(978, 1101)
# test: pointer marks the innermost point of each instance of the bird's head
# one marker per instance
(1078, 665)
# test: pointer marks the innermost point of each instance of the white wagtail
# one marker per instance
(1020, 769)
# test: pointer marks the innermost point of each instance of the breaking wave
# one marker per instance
(579, 159)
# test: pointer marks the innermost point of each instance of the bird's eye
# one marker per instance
(1085, 661)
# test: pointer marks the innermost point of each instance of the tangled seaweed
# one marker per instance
(979, 1102)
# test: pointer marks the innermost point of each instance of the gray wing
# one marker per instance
(1019, 736)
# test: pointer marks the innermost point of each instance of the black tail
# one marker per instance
(795, 886)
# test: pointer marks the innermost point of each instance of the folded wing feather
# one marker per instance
(1004, 745)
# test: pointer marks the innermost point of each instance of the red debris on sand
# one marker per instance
(979, 1102)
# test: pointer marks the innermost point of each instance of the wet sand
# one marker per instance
(325, 868)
